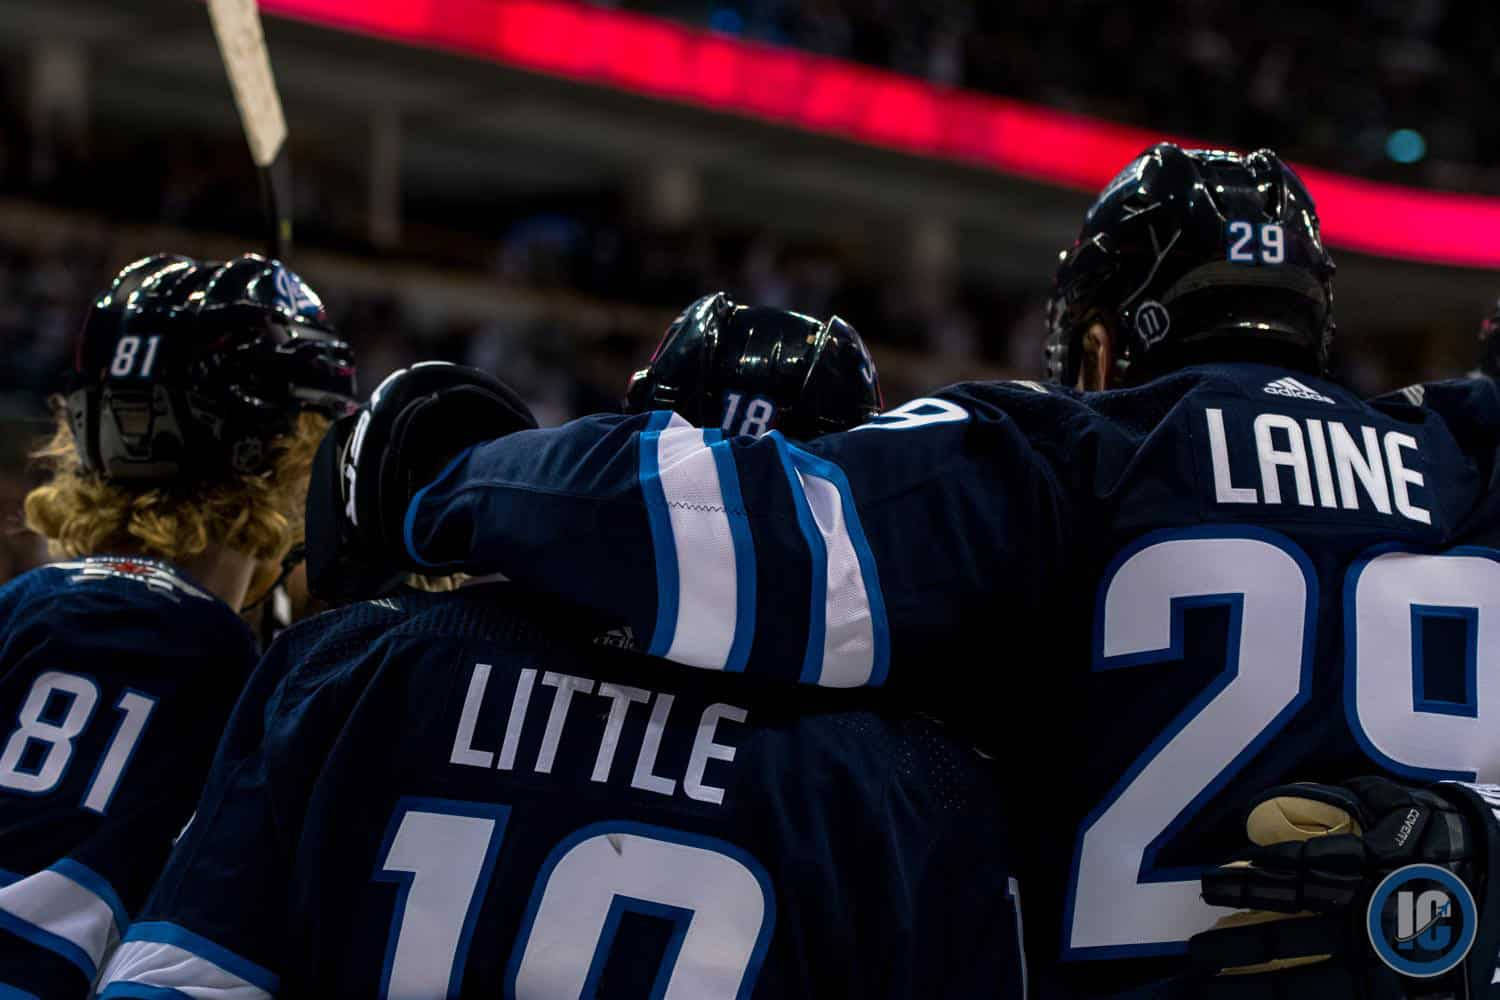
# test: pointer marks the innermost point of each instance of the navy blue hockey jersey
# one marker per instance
(479, 794)
(116, 677)
(1157, 600)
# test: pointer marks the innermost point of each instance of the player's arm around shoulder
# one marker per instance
(731, 553)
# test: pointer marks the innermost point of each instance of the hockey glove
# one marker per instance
(1320, 856)
(373, 461)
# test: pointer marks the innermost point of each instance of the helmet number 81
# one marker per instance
(1244, 248)
(128, 352)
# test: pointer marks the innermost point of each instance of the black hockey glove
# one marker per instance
(1330, 906)
(373, 461)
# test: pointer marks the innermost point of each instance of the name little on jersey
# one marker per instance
(1314, 462)
(613, 733)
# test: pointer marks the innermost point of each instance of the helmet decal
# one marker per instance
(748, 370)
(1190, 246)
(188, 369)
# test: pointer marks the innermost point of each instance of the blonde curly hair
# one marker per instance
(80, 513)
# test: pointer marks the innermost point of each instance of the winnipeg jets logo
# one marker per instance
(296, 296)
(155, 576)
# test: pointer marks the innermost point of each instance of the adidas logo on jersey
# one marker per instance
(619, 638)
(1290, 387)
(1415, 394)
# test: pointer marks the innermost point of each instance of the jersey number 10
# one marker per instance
(441, 854)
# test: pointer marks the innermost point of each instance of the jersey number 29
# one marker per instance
(1120, 902)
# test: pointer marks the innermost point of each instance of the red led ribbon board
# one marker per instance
(660, 59)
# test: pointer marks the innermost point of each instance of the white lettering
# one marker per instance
(566, 685)
(650, 747)
(621, 696)
(1327, 497)
(1350, 461)
(705, 749)
(463, 740)
(1224, 489)
(517, 718)
(1294, 456)
(1402, 477)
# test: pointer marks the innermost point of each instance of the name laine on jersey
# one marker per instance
(621, 697)
(1332, 465)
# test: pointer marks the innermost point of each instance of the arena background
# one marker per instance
(535, 187)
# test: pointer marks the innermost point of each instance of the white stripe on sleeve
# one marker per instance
(707, 598)
(848, 630)
(59, 906)
(168, 967)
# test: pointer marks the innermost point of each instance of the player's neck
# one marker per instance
(222, 572)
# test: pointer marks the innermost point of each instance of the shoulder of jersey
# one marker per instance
(338, 626)
(1011, 395)
(1466, 388)
(1469, 407)
(151, 607)
(1258, 383)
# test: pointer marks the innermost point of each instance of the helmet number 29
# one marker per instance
(128, 353)
(1244, 248)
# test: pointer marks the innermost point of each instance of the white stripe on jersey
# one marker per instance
(848, 632)
(168, 967)
(56, 904)
(707, 576)
(846, 653)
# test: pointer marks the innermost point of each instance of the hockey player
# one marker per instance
(1226, 573)
(178, 466)
(483, 793)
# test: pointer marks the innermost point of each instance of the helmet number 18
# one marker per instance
(1244, 248)
(758, 412)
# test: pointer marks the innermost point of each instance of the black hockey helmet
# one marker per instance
(1190, 246)
(1489, 343)
(747, 370)
(188, 369)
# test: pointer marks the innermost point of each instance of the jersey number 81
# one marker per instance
(55, 713)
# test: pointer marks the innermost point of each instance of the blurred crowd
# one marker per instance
(601, 281)
(1333, 82)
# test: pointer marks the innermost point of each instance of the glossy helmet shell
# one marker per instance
(1188, 246)
(189, 369)
(814, 377)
